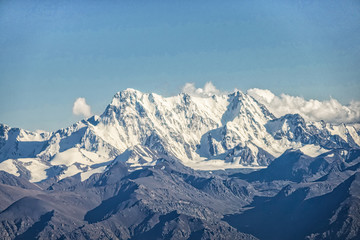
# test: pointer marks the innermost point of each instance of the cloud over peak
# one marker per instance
(314, 110)
(331, 110)
(208, 90)
(81, 108)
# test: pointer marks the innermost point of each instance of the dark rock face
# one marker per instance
(296, 197)
(334, 215)
(167, 201)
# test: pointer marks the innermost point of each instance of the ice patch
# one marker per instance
(86, 175)
(36, 168)
(313, 150)
(69, 157)
(9, 167)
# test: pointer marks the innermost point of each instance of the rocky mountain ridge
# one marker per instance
(206, 133)
(184, 167)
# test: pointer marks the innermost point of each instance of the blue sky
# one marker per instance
(53, 52)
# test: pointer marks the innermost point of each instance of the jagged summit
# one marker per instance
(203, 132)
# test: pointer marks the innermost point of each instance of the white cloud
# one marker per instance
(329, 110)
(80, 107)
(208, 90)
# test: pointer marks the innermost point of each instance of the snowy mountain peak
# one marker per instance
(203, 132)
(294, 119)
(128, 95)
(128, 92)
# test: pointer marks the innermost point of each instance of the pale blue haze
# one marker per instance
(53, 52)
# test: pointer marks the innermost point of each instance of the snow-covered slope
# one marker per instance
(295, 128)
(215, 132)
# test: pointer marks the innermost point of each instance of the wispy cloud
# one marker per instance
(81, 108)
(314, 110)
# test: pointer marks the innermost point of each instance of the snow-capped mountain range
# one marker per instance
(206, 133)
